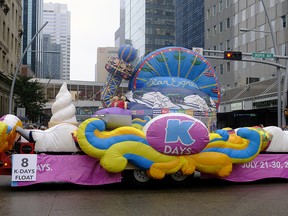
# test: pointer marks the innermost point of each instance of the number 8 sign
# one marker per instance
(24, 167)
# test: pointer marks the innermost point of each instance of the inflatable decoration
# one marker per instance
(114, 117)
(8, 125)
(4, 131)
(242, 146)
(182, 67)
(279, 142)
(118, 69)
(176, 134)
(140, 123)
(63, 110)
(190, 146)
(178, 80)
(58, 138)
(169, 125)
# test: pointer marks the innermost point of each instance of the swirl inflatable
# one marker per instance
(126, 144)
(242, 146)
(8, 125)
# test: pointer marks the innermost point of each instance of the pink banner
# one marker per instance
(263, 166)
(77, 169)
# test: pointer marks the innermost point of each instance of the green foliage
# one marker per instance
(30, 95)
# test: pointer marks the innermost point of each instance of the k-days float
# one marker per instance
(168, 130)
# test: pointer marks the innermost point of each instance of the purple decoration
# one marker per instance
(113, 110)
(2, 118)
(177, 134)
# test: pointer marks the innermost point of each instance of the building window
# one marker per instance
(252, 10)
(235, 42)
(208, 33)
(235, 65)
(228, 66)
(261, 31)
(235, 19)
(214, 30)
(283, 49)
(252, 36)
(228, 45)
(221, 46)
(221, 27)
(243, 15)
(227, 3)
(284, 21)
(228, 23)
(220, 5)
(243, 39)
(214, 10)
(261, 8)
(221, 68)
(208, 13)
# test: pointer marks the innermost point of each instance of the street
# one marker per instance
(198, 197)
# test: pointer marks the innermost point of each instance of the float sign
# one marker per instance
(24, 167)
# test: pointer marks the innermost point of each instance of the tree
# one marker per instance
(30, 95)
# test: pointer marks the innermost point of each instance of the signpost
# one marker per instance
(262, 55)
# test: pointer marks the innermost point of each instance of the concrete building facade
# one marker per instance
(249, 90)
(103, 54)
(223, 24)
(10, 46)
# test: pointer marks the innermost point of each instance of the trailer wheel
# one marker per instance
(179, 178)
(137, 177)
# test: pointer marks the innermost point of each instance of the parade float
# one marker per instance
(165, 126)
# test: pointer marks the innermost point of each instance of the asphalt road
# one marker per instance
(198, 197)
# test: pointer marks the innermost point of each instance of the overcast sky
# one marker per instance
(93, 24)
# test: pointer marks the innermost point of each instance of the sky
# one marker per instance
(93, 24)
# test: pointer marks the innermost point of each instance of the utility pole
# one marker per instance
(18, 67)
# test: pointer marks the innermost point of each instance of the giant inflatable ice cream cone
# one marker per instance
(63, 110)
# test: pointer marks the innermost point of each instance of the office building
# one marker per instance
(58, 28)
(150, 24)
(51, 63)
(249, 90)
(190, 23)
(224, 24)
(32, 22)
(103, 54)
(10, 46)
(120, 33)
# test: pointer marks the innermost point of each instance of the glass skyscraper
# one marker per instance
(190, 23)
(32, 21)
(150, 24)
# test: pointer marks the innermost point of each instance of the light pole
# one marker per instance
(279, 113)
(18, 66)
(278, 74)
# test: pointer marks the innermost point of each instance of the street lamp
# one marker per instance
(254, 30)
(18, 67)
(278, 74)
(279, 113)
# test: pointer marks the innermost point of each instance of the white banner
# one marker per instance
(24, 167)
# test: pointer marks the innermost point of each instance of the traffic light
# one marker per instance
(233, 55)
